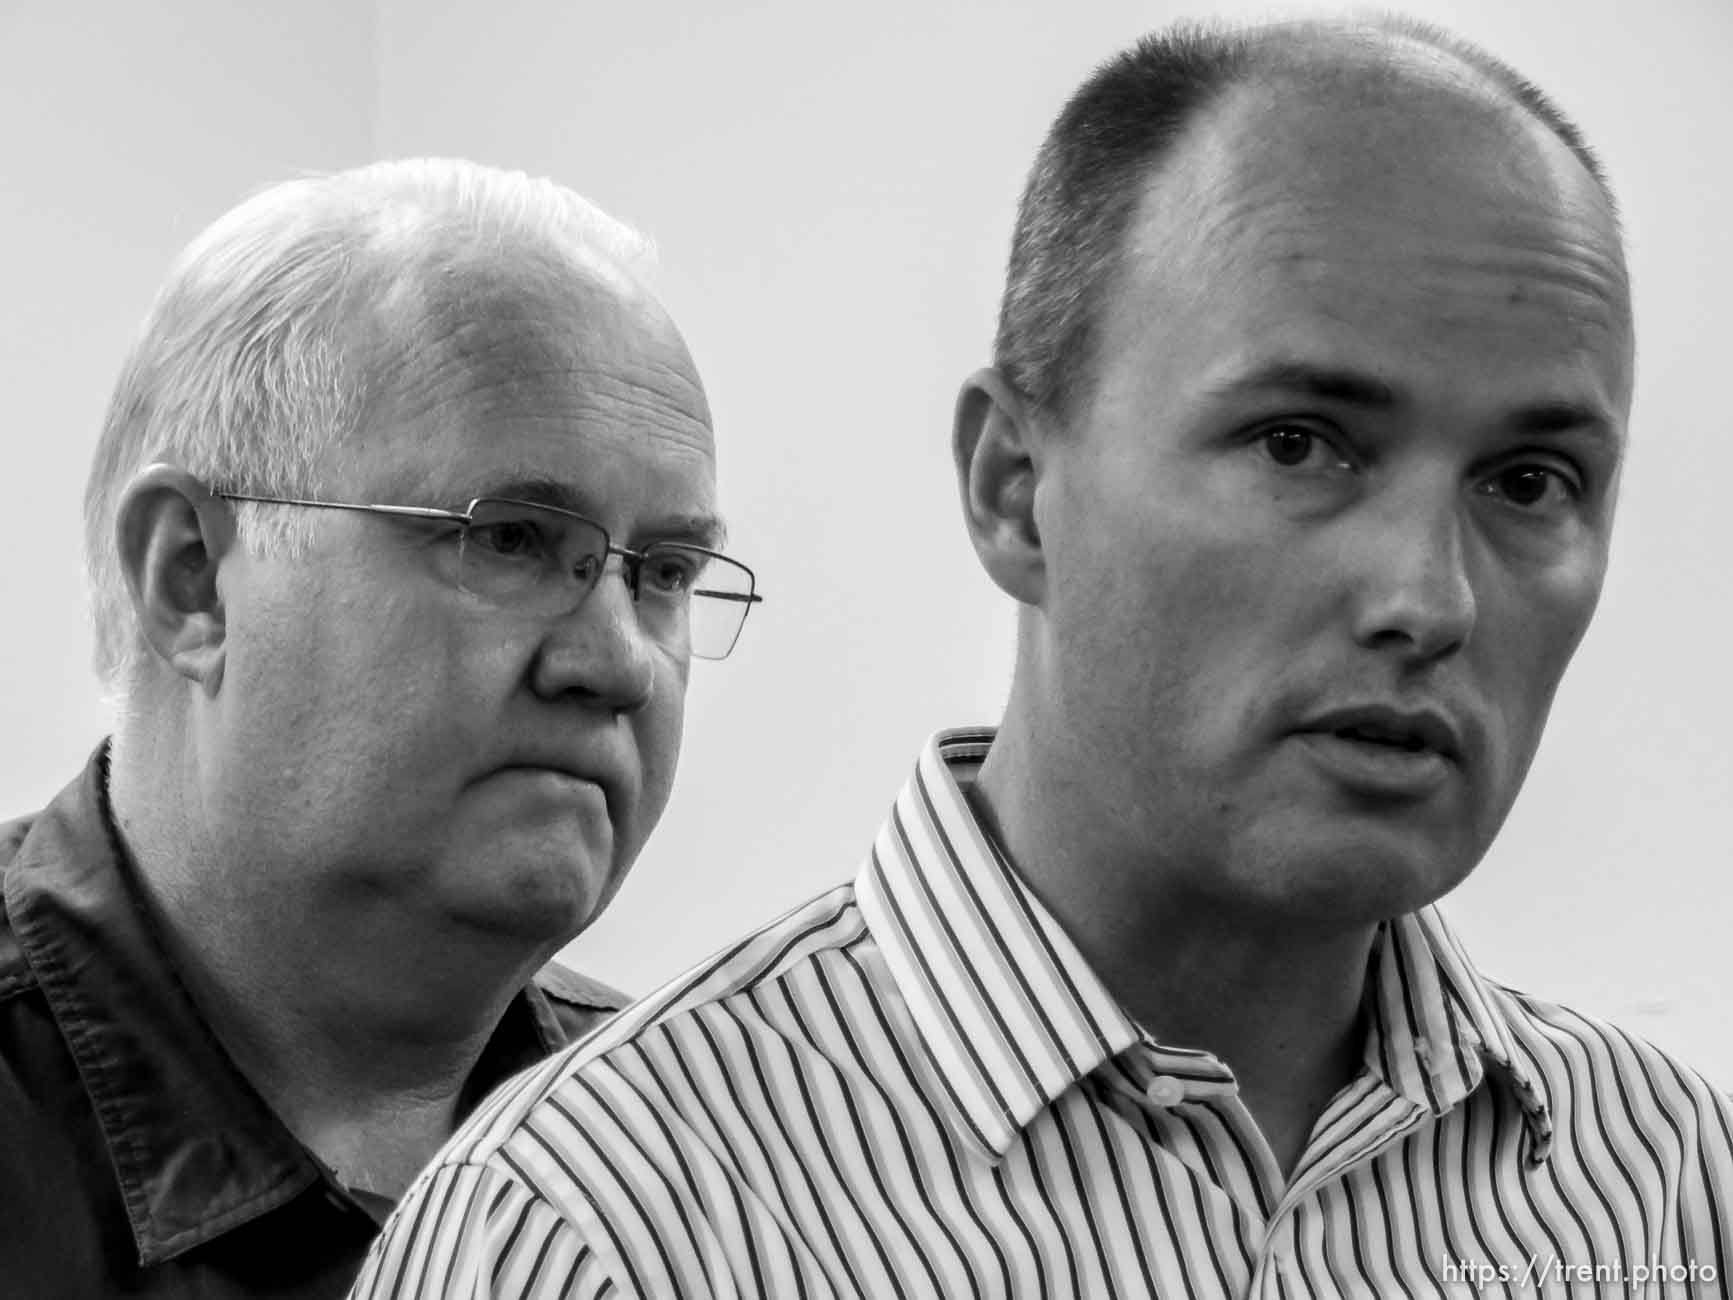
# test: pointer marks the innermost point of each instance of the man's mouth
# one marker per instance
(553, 778)
(1384, 752)
(1400, 730)
(1368, 735)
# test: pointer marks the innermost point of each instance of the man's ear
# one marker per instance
(997, 447)
(172, 535)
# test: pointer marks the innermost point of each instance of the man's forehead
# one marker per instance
(1532, 323)
(504, 375)
(507, 335)
(578, 433)
(504, 315)
(1319, 233)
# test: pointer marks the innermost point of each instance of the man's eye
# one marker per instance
(1532, 487)
(1294, 445)
(671, 574)
(510, 538)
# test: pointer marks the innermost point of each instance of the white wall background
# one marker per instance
(832, 187)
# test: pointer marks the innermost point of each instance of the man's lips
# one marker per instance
(542, 769)
(1377, 770)
(1415, 731)
(1383, 751)
(560, 775)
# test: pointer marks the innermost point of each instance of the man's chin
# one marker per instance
(542, 896)
(1354, 873)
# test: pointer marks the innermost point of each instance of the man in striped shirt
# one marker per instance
(1299, 455)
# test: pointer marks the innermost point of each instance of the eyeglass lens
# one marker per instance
(543, 562)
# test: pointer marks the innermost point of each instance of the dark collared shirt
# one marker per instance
(135, 1158)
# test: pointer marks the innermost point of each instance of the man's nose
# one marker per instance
(1414, 590)
(600, 651)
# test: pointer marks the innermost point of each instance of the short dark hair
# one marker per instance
(1123, 123)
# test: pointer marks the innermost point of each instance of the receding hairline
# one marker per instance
(1374, 55)
(1379, 57)
(1394, 49)
(1307, 93)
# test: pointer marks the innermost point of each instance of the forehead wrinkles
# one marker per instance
(1530, 266)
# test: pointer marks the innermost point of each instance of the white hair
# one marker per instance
(245, 371)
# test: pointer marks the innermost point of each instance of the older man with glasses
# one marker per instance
(393, 722)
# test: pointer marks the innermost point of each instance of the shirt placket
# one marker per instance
(1197, 1095)
(1166, 1085)
(1278, 1271)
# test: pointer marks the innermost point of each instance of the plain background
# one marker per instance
(832, 190)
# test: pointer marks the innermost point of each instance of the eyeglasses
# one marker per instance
(541, 561)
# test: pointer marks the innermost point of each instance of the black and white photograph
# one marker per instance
(931, 649)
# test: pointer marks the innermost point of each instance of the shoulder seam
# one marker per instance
(669, 1005)
(673, 1010)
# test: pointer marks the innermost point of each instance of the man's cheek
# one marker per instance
(658, 756)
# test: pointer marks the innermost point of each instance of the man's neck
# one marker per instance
(371, 1098)
(357, 1031)
(1279, 1005)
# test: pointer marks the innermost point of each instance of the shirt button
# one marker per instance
(1165, 1090)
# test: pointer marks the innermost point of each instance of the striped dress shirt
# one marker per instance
(913, 1086)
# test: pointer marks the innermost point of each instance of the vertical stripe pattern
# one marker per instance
(913, 1086)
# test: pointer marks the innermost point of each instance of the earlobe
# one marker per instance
(997, 452)
(172, 535)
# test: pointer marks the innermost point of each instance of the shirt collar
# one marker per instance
(1010, 1016)
(196, 1151)
(1438, 1028)
(1008, 1013)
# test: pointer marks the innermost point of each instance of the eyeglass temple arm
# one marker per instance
(413, 512)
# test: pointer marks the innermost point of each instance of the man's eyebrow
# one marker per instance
(1357, 388)
(1562, 417)
(538, 490)
(706, 530)
(1332, 383)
